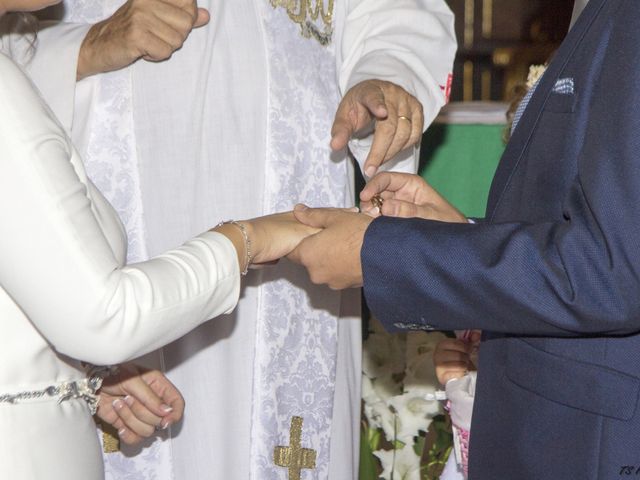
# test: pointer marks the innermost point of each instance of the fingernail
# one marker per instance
(355, 209)
(165, 424)
(370, 171)
(300, 207)
(166, 408)
(128, 400)
(375, 211)
(122, 431)
(117, 404)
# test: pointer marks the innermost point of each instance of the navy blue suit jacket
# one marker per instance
(552, 274)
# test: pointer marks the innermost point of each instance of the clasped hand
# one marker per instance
(332, 256)
(137, 402)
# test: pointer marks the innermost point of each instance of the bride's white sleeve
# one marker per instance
(51, 63)
(61, 248)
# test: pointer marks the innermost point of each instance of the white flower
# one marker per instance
(422, 343)
(376, 407)
(403, 463)
(421, 373)
(398, 375)
(383, 354)
(535, 72)
(382, 388)
(414, 413)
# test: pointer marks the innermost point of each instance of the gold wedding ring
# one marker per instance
(402, 117)
(377, 201)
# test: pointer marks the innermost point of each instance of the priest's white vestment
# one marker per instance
(235, 125)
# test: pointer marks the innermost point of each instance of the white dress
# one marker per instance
(237, 124)
(66, 293)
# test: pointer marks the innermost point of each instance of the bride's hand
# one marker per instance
(274, 236)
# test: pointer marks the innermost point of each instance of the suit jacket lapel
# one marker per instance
(522, 134)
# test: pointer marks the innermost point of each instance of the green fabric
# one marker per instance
(459, 162)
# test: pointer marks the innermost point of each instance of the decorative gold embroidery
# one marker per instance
(294, 457)
(305, 13)
(110, 440)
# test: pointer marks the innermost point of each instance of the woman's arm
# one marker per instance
(58, 265)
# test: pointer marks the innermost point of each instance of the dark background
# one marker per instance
(499, 39)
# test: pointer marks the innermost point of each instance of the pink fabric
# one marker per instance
(460, 394)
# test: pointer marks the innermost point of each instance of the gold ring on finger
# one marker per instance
(402, 117)
(377, 201)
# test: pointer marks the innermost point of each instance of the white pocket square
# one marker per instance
(564, 86)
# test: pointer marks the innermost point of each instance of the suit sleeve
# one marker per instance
(578, 274)
(59, 242)
(408, 42)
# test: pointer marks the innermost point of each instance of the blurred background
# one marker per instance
(499, 39)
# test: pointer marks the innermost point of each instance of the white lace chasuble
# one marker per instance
(296, 340)
(294, 322)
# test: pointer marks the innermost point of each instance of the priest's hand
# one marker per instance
(395, 114)
(148, 29)
(406, 195)
(138, 402)
(332, 256)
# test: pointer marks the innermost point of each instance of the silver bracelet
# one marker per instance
(84, 389)
(247, 243)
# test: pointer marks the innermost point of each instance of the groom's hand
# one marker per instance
(332, 256)
(148, 29)
(407, 196)
(395, 114)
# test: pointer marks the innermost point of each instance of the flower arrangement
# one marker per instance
(405, 434)
(535, 73)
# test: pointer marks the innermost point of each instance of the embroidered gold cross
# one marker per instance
(294, 457)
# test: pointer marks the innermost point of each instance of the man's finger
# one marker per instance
(400, 209)
(383, 136)
(382, 139)
(350, 117)
(417, 124)
(359, 106)
(202, 18)
(172, 15)
(373, 99)
(341, 132)
(400, 140)
(156, 49)
(382, 183)
(315, 217)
